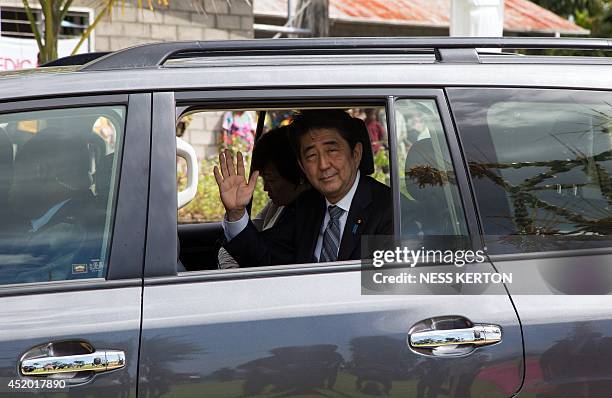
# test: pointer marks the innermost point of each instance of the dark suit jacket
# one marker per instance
(294, 237)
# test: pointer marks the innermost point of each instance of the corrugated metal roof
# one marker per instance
(519, 15)
(419, 12)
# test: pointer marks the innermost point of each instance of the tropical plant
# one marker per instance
(595, 15)
(381, 166)
(54, 12)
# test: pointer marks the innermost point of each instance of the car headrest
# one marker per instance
(367, 158)
(52, 155)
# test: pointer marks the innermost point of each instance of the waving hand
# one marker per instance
(235, 191)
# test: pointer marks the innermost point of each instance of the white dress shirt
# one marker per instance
(232, 228)
(344, 204)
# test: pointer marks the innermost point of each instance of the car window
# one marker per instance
(58, 173)
(541, 162)
(209, 132)
(431, 205)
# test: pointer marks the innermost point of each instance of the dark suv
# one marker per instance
(110, 279)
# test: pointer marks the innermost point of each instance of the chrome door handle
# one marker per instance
(98, 361)
(477, 335)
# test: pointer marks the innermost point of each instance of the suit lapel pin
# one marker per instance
(356, 225)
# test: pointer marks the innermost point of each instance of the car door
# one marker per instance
(316, 329)
(540, 164)
(74, 199)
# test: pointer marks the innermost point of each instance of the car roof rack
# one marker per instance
(77, 59)
(446, 49)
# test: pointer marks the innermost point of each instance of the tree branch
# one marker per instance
(107, 9)
(33, 25)
(47, 10)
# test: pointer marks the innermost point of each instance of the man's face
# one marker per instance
(328, 162)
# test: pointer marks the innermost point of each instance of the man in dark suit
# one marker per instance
(325, 223)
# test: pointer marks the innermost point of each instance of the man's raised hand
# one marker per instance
(235, 191)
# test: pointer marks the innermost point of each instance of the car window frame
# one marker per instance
(127, 240)
(161, 260)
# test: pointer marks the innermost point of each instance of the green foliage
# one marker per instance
(603, 26)
(207, 206)
(595, 15)
(565, 8)
(381, 166)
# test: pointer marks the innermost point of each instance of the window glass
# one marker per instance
(58, 172)
(541, 162)
(431, 205)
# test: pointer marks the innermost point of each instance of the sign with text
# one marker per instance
(23, 53)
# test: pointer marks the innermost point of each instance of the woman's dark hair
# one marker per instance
(308, 120)
(273, 147)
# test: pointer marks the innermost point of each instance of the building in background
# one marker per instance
(18, 49)
(414, 18)
(182, 20)
(127, 26)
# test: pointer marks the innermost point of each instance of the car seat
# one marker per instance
(366, 167)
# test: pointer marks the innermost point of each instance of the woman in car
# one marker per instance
(283, 181)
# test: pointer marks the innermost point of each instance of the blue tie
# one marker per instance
(331, 236)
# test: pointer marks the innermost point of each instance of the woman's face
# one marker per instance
(280, 191)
